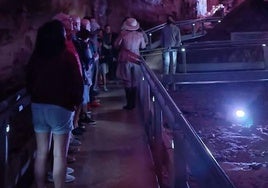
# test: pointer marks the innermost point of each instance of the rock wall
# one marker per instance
(249, 16)
(19, 21)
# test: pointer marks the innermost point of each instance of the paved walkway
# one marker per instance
(114, 153)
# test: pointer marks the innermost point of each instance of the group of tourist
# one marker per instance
(70, 59)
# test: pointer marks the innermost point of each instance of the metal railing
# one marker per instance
(190, 29)
(15, 158)
(176, 148)
(174, 143)
(215, 61)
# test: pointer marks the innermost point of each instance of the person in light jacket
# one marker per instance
(129, 41)
(170, 37)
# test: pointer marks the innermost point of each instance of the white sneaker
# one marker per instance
(68, 178)
(69, 170)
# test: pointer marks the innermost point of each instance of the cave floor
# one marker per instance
(114, 153)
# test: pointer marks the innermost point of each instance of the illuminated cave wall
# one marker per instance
(19, 20)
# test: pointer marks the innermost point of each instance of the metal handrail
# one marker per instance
(155, 99)
(184, 22)
(158, 105)
(9, 108)
(217, 56)
(193, 24)
(213, 44)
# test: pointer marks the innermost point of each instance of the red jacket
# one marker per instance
(57, 81)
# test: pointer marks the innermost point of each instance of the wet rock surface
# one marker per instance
(239, 145)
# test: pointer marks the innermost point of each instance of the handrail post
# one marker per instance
(180, 172)
(4, 153)
(203, 28)
(174, 60)
(146, 105)
(150, 40)
(157, 142)
(265, 55)
(193, 30)
(183, 54)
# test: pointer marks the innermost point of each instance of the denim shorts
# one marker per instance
(48, 118)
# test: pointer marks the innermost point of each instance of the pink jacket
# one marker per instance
(130, 40)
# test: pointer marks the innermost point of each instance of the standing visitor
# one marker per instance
(103, 65)
(86, 52)
(108, 51)
(129, 41)
(55, 84)
(95, 27)
(68, 23)
(170, 37)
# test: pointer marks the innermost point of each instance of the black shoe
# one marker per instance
(82, 127)
(77, 131)
(92, 122)
(87, 120)
(127, 107)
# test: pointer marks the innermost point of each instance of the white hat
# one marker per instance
(131, 24)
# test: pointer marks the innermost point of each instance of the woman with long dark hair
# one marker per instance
(55, 84)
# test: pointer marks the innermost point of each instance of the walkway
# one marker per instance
(114, 153)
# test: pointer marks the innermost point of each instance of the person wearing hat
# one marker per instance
(170, 37)
(129, 42)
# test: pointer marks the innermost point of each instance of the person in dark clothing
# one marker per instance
(86, 51)
(55, 84)
(108, 52)
(103, 65)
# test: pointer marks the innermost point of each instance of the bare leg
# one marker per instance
(43, 144)
(96, 75)
(61, 144)
(76, 116)
(104, 81)
(84, 108)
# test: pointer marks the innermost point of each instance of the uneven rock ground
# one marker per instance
(239, 146)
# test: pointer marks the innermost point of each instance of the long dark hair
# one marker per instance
(50, 40)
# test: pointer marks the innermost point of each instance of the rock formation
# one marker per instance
(19, 21)
(250, 16)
